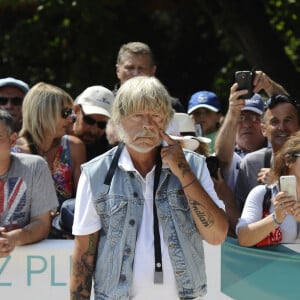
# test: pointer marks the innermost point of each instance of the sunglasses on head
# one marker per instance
(13, 100)
(65, 112)
(90, 121)
(276, 99)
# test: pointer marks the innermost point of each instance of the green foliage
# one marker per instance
(284, 18)
(74, 44)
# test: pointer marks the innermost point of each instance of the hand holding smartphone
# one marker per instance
(244, 80)
(288, 184)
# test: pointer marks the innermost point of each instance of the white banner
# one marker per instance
(38, 271)
(42, 271)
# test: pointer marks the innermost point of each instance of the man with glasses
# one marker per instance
(239, 134)
(281, 119)
(12, 92)
(92, 110)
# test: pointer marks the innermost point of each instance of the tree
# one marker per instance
(198, 44)
(248, 26)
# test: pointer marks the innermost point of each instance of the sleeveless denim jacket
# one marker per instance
(120, 209)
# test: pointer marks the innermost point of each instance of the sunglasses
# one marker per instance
(13, 100)
(90, 121)
(276, 99)
(65, 112)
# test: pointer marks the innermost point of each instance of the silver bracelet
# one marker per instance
(274, 220)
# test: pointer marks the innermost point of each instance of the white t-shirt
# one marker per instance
(253, 210)
(86, 221)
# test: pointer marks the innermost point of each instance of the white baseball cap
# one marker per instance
(187, 142)
(187, 132)
(186, 127)
(96, 100)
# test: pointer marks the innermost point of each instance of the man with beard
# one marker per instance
(92, 110)
(144, 208)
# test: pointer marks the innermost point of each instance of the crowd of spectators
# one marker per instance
(54, 146)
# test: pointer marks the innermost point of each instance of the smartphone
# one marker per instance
(245, 81)
(212, 163)
(288, 184)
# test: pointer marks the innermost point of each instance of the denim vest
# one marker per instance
(120, 209)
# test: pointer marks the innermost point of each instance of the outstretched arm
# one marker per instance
(263, 82)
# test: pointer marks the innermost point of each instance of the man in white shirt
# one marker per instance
(139, 233)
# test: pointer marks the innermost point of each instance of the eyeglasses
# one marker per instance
(276, 99)
(90, 121)
(13, 100)
(252, 118)
(65, 112)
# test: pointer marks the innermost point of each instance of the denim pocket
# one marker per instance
(112, 210)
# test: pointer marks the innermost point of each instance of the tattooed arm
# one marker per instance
(83, 264)
(210, 220)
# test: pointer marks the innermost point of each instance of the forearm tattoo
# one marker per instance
(204, 216)
(83, 271)
(183, 165)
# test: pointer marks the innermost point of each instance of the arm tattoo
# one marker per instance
(183, 165)
(77, 294)
(83, 271)
(205, 217)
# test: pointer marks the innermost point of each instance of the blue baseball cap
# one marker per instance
(10, 81)
(204, 99)
(255, 104)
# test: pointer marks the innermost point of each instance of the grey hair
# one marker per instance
(142, 93)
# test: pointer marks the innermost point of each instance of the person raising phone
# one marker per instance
(270, 215)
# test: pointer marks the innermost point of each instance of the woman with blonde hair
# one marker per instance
(270, 216)
(47, 113)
